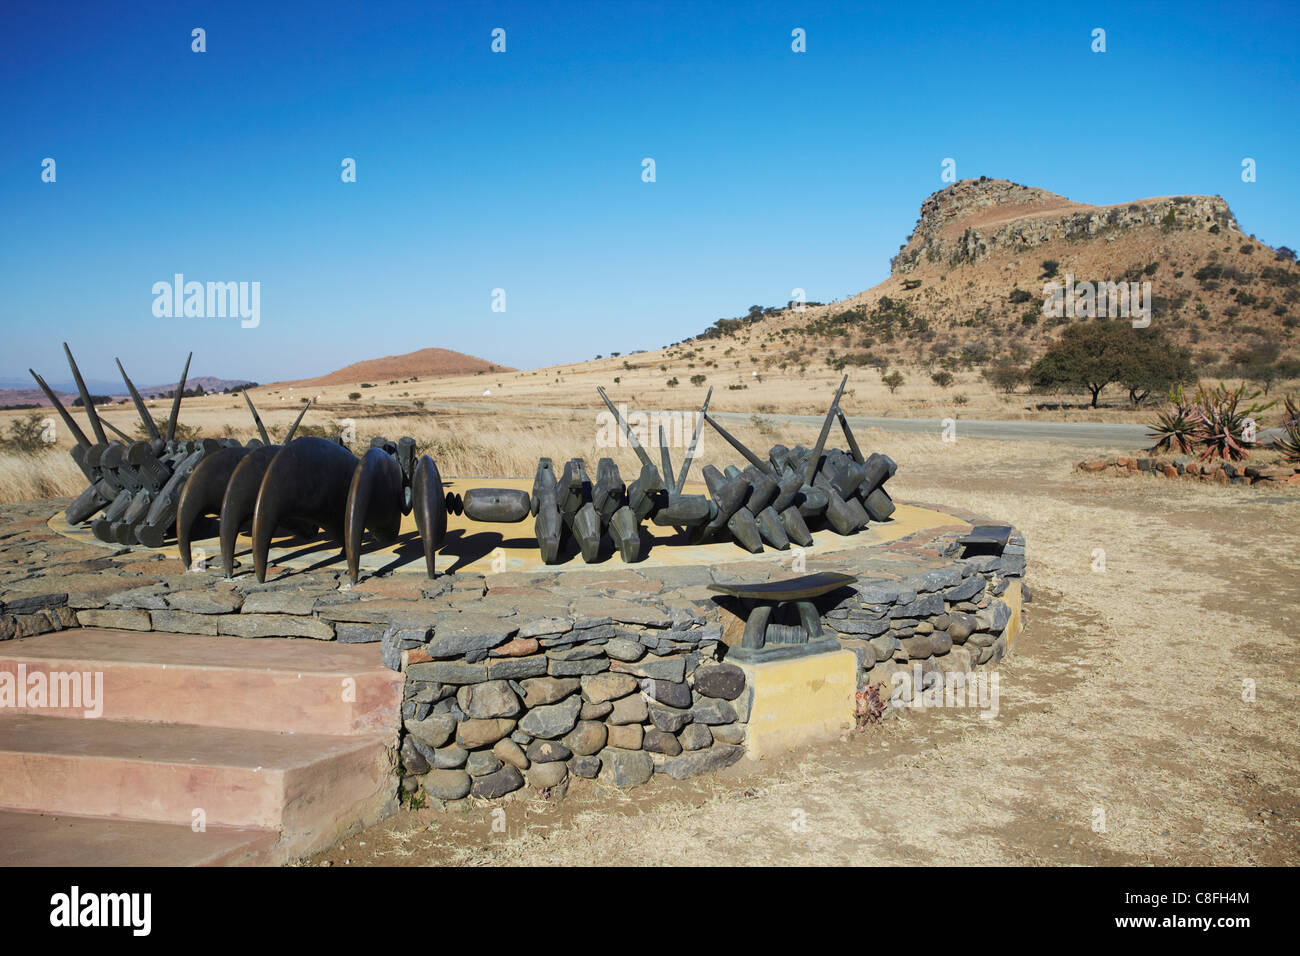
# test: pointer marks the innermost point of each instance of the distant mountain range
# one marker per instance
(18, 392)
(424, 363)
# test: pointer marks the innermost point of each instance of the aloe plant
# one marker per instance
(1175, 426)
(1221, 420)
(1289, 443)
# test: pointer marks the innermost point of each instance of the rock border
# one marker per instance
(1185, 466)
(529, 679)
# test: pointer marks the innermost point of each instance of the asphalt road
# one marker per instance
(1082, 434)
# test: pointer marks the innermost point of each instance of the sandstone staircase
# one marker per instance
(209, 750)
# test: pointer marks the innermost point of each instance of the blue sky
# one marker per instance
(522, 170)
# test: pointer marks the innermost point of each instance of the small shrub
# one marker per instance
(25, 434)
(870, 709)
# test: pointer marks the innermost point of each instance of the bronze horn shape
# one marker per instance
(240, 499)
(430, 507)
(257, 419)
(374, 502)
(141, 408)
(695, 438)
(68, 420)
(309, 478)
(294, 427)
(203, 494)
(627, 430)
(176, 399)
(95, 426)
(815, 458)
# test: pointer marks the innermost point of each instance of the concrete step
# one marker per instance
(272, 684)
(311, 789)
(33, 839)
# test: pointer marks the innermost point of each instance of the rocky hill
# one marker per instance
(975, 219)
(970, 283)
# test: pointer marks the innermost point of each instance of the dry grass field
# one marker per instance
(501, 422)
(1124, 696)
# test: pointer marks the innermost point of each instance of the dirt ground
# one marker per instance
(1122, 735)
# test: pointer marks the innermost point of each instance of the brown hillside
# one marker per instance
(426, 363)
(968, 284)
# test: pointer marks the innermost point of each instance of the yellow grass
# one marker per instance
(467, 442)
(46, 474)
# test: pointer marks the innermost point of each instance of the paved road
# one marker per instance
(1066, 433)
(1083, 434)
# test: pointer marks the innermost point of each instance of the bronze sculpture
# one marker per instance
(143, 491)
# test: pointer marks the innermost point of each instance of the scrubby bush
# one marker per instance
(27, 434)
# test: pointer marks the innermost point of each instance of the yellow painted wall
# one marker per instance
(799, 701)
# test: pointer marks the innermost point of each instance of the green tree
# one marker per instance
(1154, 365)
(892, 381)
(1093, 355)
(1005, 375)
(942, 379)
(1258, 363)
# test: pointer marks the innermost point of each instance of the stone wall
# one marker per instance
(586, 697)
(488, 711)
(949, 619)
(529, 679)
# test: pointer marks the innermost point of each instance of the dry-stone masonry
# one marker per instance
(526, 680)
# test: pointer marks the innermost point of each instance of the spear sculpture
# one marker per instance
(692, 511)
(86, 403)
(778, 518)
(101, 490)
